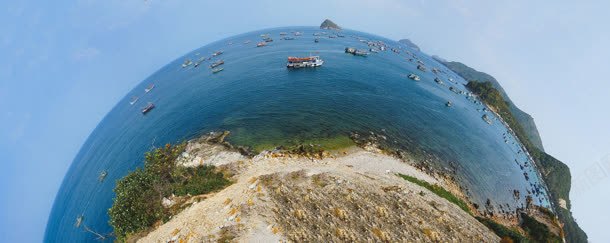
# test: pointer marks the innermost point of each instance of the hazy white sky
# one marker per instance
(65, 64)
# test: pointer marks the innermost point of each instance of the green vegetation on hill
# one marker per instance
(503, 231)
(438, 190)
(138, 202)
(537, 231)
(556, 174)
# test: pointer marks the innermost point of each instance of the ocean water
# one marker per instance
(260, 101)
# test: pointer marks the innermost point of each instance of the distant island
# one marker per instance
(410, 44)
(329, 25)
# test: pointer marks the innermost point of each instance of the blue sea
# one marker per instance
(261, 101)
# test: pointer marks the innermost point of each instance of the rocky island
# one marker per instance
(329, 25)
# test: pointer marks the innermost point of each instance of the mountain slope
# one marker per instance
(524, 119)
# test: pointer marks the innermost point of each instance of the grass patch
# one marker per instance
(503, 231)
(438, 190)
(137, 205)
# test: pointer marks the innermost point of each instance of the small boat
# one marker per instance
(283, 33)
(261, 44)
(448, 104)
(414, 77)
(332, 36)
(247, 42)
(373, 50)
(355, 51)
(187, 63)
(438, 80)
(102, 175)
(316, 40)
(268, 39)
(197, 64)
(149, 88)
(485, 118)
(288, 38)
(300, 62)
(133, 100)
(216, 64)
(149, 107)
(340, 36)
(79, 220)
(216, 70)
(421, 67)
(218, 53)
(297, 33)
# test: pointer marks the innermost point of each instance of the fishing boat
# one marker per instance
(485, 118)
(79, 220)
(218, 63)
(268, 39)
(133, 100)
(438, 80)
(297, 33)
(102, 175)
(261, 44)
(216, 70)
(421, 68)
(149, 88)
(288, 38)
(283, 33)
(356, 52)
(414, 77)
(149, 107)
(218, 53)
(300, 62)
(373, 50)
(187, 63)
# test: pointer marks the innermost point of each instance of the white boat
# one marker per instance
(187, 63)
(134, 100)
(414, 77)
(102, 175)
(79, 220)
(149, 88)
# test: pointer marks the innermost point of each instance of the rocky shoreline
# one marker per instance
(346, 194)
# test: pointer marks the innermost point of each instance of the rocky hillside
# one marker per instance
(526, 121)
(328, 24)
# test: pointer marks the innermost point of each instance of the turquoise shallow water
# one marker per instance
(259, 100)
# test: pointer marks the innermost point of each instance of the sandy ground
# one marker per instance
(259, 206)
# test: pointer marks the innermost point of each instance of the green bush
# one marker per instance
(137, 205)
(438, 190)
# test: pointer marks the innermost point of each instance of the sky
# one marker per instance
(65, 64)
